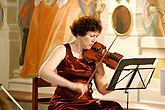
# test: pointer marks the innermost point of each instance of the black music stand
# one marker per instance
(132, 73)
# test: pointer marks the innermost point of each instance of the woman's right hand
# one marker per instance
(78, 87)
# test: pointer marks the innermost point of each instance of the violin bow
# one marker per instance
(97, 66)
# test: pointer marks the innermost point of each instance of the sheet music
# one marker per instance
(133, 72)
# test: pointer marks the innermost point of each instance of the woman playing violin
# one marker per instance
(66, 68)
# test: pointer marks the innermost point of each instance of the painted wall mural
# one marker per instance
(49, 27)
(24, 19)
(154, 17)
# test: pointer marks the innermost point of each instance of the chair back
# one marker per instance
(39, 97)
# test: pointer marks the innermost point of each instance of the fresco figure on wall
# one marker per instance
(93, 7)
(51, 20)
(49, 28)
(154, 17)
(24, 19)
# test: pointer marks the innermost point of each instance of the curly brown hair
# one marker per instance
(84, 24)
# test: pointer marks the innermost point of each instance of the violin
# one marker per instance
(97, 52)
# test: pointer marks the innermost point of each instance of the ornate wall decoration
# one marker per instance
(2, 15)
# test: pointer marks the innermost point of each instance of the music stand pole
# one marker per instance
(127, 97)
(11, 97)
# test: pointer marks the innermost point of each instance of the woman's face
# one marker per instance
(88, 40)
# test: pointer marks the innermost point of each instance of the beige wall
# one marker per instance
(160, 65)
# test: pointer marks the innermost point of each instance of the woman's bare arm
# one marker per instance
(47, 71)
(101, 81)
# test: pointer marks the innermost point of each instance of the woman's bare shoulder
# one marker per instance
(60, 49)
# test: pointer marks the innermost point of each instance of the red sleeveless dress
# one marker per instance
(77, 70)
